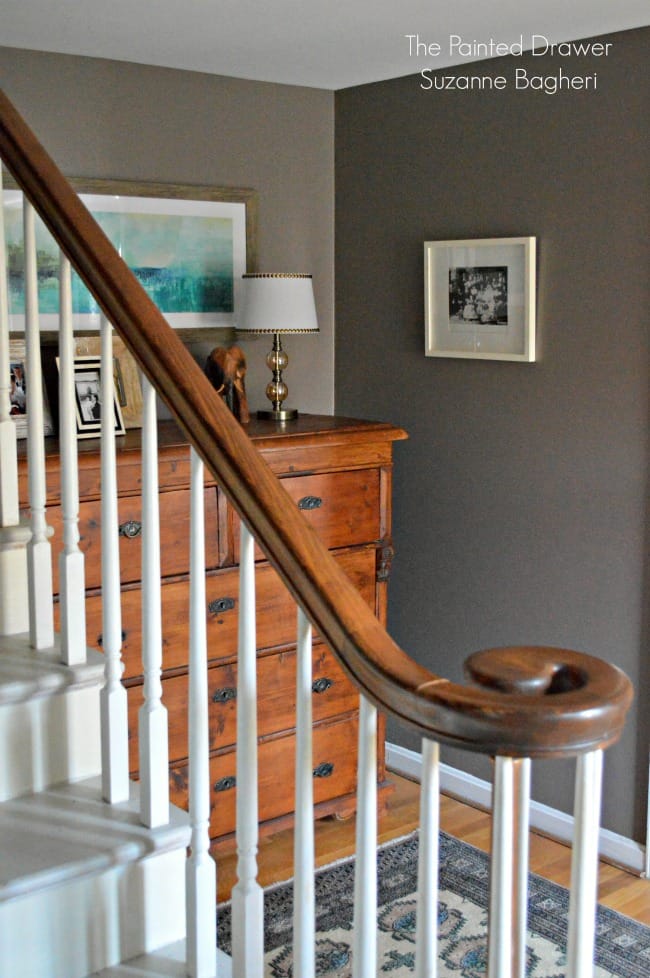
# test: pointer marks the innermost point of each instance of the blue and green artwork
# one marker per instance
(184, 262)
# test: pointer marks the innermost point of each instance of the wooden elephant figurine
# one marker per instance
(226, 370)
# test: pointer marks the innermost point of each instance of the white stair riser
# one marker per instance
(77, 928)
(48, 740)
(14, 611)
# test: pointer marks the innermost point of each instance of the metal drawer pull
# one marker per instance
(323, 770)
(219, 605)
(310, 502)
(225, 784)
(131, 529)
(321, 685)
(224, 695)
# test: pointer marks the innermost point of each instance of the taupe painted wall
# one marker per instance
(521, 497)
(123, 121)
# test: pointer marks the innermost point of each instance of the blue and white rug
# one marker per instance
(622, 945)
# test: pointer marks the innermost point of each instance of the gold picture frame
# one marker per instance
(126, 376)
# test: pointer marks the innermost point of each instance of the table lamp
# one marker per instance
(277, 302)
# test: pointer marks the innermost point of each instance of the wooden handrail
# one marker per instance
(523, 702)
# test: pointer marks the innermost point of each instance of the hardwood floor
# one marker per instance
(618, 889)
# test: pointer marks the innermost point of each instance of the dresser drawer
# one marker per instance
(276, 613)
(334, 764)
(332, 695)
(174, 536)
(342, 506)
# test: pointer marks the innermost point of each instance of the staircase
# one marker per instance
(99, 875)
(83, 884)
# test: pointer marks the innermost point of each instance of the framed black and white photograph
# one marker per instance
(18, 392)
(480, 299)
(91, 398)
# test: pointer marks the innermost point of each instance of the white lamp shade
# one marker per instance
(278, 302)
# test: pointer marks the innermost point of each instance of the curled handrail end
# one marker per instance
(541, 670)
(524, 701)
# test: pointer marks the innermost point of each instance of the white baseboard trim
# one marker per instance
(549, 821)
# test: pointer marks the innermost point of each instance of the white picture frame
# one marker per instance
(479, 299)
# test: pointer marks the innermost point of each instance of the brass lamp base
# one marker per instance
(283, 414)
(276, 389)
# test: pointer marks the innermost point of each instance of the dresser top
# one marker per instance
(311, 443)
(266, 434)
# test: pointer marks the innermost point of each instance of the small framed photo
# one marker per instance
(479, 299)
(126, 376)
(18, 391)
(91, 398)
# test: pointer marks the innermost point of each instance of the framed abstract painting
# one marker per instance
(188, 247)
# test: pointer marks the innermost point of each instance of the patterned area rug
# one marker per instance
(623, 945)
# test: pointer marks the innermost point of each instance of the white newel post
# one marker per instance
(39, 552)
(200, 873)
(14, 609)
(364, 954)
(247, 894)
(426, 936)
(584, 866)
(72, 596)
(304, 924)
(114, 718)
(152, 718)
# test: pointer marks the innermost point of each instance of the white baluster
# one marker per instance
(521, 797)
(152, 718)
(8, 469)
(39, 552)
(364, 955)
(584, 866)
(509, 868)
(426, 937)
(500, 944)
(115, 750)
(72, 596)
(200, 872)
(14, 607)
(247, 895)
(304, 937)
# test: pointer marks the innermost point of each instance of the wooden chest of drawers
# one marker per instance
(338, 471)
